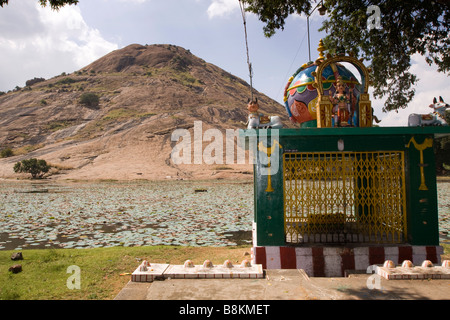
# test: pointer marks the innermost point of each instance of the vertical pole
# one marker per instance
(309, 46)
(250, 69)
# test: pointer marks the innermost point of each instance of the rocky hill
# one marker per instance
(145, 93)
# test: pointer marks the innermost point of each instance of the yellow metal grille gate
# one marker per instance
(341, 197)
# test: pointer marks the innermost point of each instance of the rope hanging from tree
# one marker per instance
(250, 69)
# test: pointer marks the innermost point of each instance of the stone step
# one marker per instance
(407, 271)
(147, 272)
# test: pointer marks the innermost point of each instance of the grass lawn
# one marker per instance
(44, 275)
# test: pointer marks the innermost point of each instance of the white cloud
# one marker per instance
(40, 42)
(133, 1)
(431, 84)
(221, 8)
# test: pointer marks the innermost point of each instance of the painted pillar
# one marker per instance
(422, 215)
(268, 180)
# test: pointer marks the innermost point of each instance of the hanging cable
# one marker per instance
(250, 69)
(292, 63)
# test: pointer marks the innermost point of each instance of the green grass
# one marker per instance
(58, 125)
(122, 113)
(44, 275)
(96, 127)
(181, 76)
(446, 255)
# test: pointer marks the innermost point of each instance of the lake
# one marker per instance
(45, 214)
(81, 215)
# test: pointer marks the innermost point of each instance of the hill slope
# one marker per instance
(145, 93)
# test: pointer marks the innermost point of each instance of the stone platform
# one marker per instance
(407, 271)
(282, 284)
(333, 261)
(147, 272)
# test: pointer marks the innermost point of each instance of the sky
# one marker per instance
(40, 42)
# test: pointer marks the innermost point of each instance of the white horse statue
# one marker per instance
(437, 118)
(257, 120)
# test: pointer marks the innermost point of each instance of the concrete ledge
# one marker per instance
(407, 271)
(286, 284)
(323, 261)
(134, 291)
(147, 272)
(215, 272)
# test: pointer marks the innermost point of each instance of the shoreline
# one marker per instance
(247, 177)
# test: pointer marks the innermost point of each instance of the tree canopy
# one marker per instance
(407, 28)
(37, 167)
(54, 4)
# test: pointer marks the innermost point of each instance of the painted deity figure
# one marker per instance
(342, 109)
(253, 116)
(257, 120)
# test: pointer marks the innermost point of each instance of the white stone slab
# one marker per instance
(419, 273)
(154, 271)
(214, 272)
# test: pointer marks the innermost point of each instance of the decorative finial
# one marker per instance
(321, 49)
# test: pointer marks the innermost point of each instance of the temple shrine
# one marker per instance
(338, 193)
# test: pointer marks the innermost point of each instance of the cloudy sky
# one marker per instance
(39, 42)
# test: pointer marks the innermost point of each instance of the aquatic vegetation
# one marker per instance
(82, 215)
(104, 214)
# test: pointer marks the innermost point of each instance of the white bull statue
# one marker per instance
(257, 120)
(437, 118)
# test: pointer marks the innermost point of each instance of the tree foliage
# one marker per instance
(90, 100)
(37, 167)
(33, 81)
(407, 28)
(54, 4)
(6, 152)
(442, 155)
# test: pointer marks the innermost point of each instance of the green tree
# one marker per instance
(37, 167)
(54, 4)
(7, 152)
(407, 27)
(89, 99)
(442, 155)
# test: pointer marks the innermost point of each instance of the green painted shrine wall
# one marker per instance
(421, 215)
